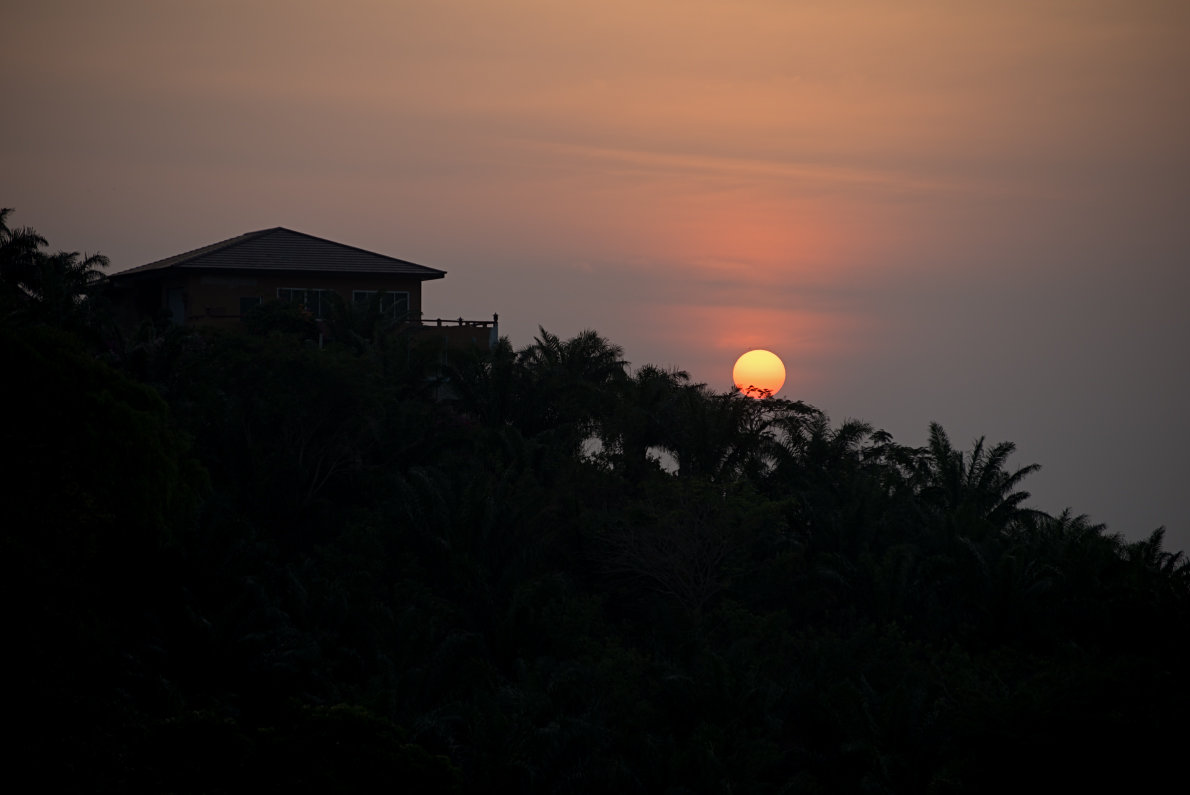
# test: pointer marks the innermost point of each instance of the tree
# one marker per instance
(569, 386)
(20, 249)
(55, 288)
(643, 417)
(99, 493)
(487, 382)
(973, 493)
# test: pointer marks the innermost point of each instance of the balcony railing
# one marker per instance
(440, 321)
(454, 331)
(459, 332)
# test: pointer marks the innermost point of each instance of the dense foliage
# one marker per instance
(234, 560)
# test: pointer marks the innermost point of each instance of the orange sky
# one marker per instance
(968, 212)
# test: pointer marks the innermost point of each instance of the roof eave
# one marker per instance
(136, 274)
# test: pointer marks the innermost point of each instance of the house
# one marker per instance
(217, 285)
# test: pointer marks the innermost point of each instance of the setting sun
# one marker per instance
(759, 373)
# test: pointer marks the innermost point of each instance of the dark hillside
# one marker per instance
(237, 561)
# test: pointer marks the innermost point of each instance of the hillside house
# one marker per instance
(220, 283)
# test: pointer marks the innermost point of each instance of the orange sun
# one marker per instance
(759, 373)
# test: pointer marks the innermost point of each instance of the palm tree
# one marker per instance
(486, 382)
(586, 358)
(53, 287)
(643, 416)
(20, 249)
(1158, 579)
(66, 283)
(569, 386)
(721, 435)
(974, 492)
(1148, 554)
(807, 442)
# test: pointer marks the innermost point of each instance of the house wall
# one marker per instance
(214, 298)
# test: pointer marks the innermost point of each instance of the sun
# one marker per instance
(759, 373)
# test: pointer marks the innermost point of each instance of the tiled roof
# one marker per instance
(281, 249)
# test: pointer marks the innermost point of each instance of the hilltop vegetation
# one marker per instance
(233, 561)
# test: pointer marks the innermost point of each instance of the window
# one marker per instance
(392, 304)
(316, 302)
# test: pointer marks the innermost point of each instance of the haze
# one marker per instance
(974, 213)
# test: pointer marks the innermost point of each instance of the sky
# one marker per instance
(932, 210)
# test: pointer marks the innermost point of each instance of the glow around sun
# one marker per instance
(759, 373)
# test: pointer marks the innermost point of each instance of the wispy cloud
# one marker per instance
(687, 165)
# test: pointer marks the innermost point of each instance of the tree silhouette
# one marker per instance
(53, 288)
(973, 493)
(644, 417)
(568, 387)
(20, 250)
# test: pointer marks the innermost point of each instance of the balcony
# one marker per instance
(459, 333)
